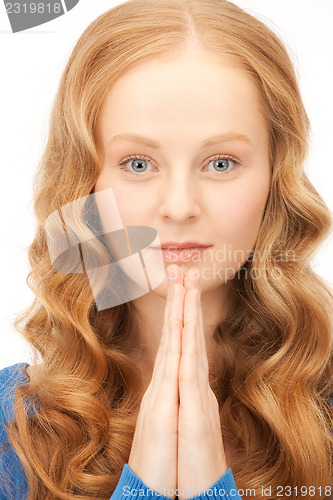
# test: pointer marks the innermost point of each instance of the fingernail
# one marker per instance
(198, 298)
(197, 279)
(172, 276)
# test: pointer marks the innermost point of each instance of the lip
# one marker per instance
(175, 245)
(181, 252)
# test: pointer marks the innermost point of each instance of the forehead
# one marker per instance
(180, 94)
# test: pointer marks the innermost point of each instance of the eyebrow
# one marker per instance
(229, 136)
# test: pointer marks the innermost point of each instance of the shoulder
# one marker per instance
(12, 477)
(10, 375)
(10, 378)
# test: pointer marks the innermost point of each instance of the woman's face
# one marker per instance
(198, 168)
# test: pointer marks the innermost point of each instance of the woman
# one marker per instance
(177, 396)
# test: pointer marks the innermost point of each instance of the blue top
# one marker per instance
(129, 485)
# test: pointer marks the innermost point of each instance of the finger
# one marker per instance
(189, 389)
(163, 340)
(203, 367)
(174, 274)
(192, 278)
(202, 342)
(166, 388)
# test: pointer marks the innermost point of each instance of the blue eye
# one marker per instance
(221, 163)
(139, 164)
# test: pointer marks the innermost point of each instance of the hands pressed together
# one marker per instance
(177, 443)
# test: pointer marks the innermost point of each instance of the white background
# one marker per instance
(31, 65)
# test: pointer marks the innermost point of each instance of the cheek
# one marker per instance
(241, 215)
(135, 207)
(130, 206)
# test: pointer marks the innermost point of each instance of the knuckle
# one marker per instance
(172, 351)
(191, 352)
(192, 323)
(174, 322)
(179, 288)
(169, 377)
(186, 378)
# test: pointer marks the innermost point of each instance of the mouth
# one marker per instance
(181, 252)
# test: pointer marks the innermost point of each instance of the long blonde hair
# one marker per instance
(275, 346)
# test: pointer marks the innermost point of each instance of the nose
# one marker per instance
(180, 197)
